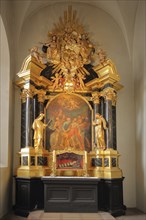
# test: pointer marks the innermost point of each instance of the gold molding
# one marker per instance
(109, 94)
(95, 97)
(27, 92)
(41, 95)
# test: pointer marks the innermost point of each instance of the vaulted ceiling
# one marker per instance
(122, 11)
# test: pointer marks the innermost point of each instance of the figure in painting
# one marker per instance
(56, 136)
(100, 126)
(39, 127)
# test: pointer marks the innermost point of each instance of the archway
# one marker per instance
(4, 98)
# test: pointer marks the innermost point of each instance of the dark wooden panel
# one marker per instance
(29, 195)
(84, 194)
(55, 194)
(70, 195)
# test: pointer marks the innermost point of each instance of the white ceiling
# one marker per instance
(122, 11)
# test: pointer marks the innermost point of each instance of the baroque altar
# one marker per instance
(68, 118)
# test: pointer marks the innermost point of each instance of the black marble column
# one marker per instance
(27, 117)
(109, 119)
(41, 99)
(23, 125)
(96, 104)
(36, 107)
(41, 107)
(102, 107)
(96, 109)
(29, 121)
(114, 127)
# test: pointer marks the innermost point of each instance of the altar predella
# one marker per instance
(68, 108)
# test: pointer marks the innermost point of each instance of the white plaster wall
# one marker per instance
(7, 106)
(103, 30)
(139, 70)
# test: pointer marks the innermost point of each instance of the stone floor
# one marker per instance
(71, 216)
(131, 214)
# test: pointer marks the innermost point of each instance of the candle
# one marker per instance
(85, 156)
(54, 155)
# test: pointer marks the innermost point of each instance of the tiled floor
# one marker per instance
(41, 215)
(131, 214)
(70, 216)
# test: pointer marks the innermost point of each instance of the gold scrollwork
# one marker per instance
(109, 94)
(95, 97)
(41, 96)
(27, 93)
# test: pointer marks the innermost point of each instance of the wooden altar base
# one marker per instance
(69, 194)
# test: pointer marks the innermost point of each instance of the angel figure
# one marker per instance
(35, 53)
(100, 126)
(52, 52)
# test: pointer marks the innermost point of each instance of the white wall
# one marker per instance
(104, 30)
(6, 110)
(139, 70)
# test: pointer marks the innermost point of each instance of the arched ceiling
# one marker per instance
(123, 12)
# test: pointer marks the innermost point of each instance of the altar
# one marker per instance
(70, 194)
(68, 158)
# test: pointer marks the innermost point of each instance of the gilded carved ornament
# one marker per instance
(106, 65)
(96, 97)
(67, 49)
(27, 93)
(109, 94)
(41, 95)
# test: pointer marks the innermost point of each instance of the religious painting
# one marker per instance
(69, 128)
(69, 161)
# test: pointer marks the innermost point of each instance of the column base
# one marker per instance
(34, 163)
(104, 164)
(33, 172)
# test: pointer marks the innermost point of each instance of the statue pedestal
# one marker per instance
(33, 162)
(104, 164)
(111, 164)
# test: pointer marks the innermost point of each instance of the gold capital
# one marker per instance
(27, 93)
(109, 94)
(41, 96)
(95, 97)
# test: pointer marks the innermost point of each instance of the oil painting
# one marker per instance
(70, 123)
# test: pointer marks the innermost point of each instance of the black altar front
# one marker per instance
(69, 194)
